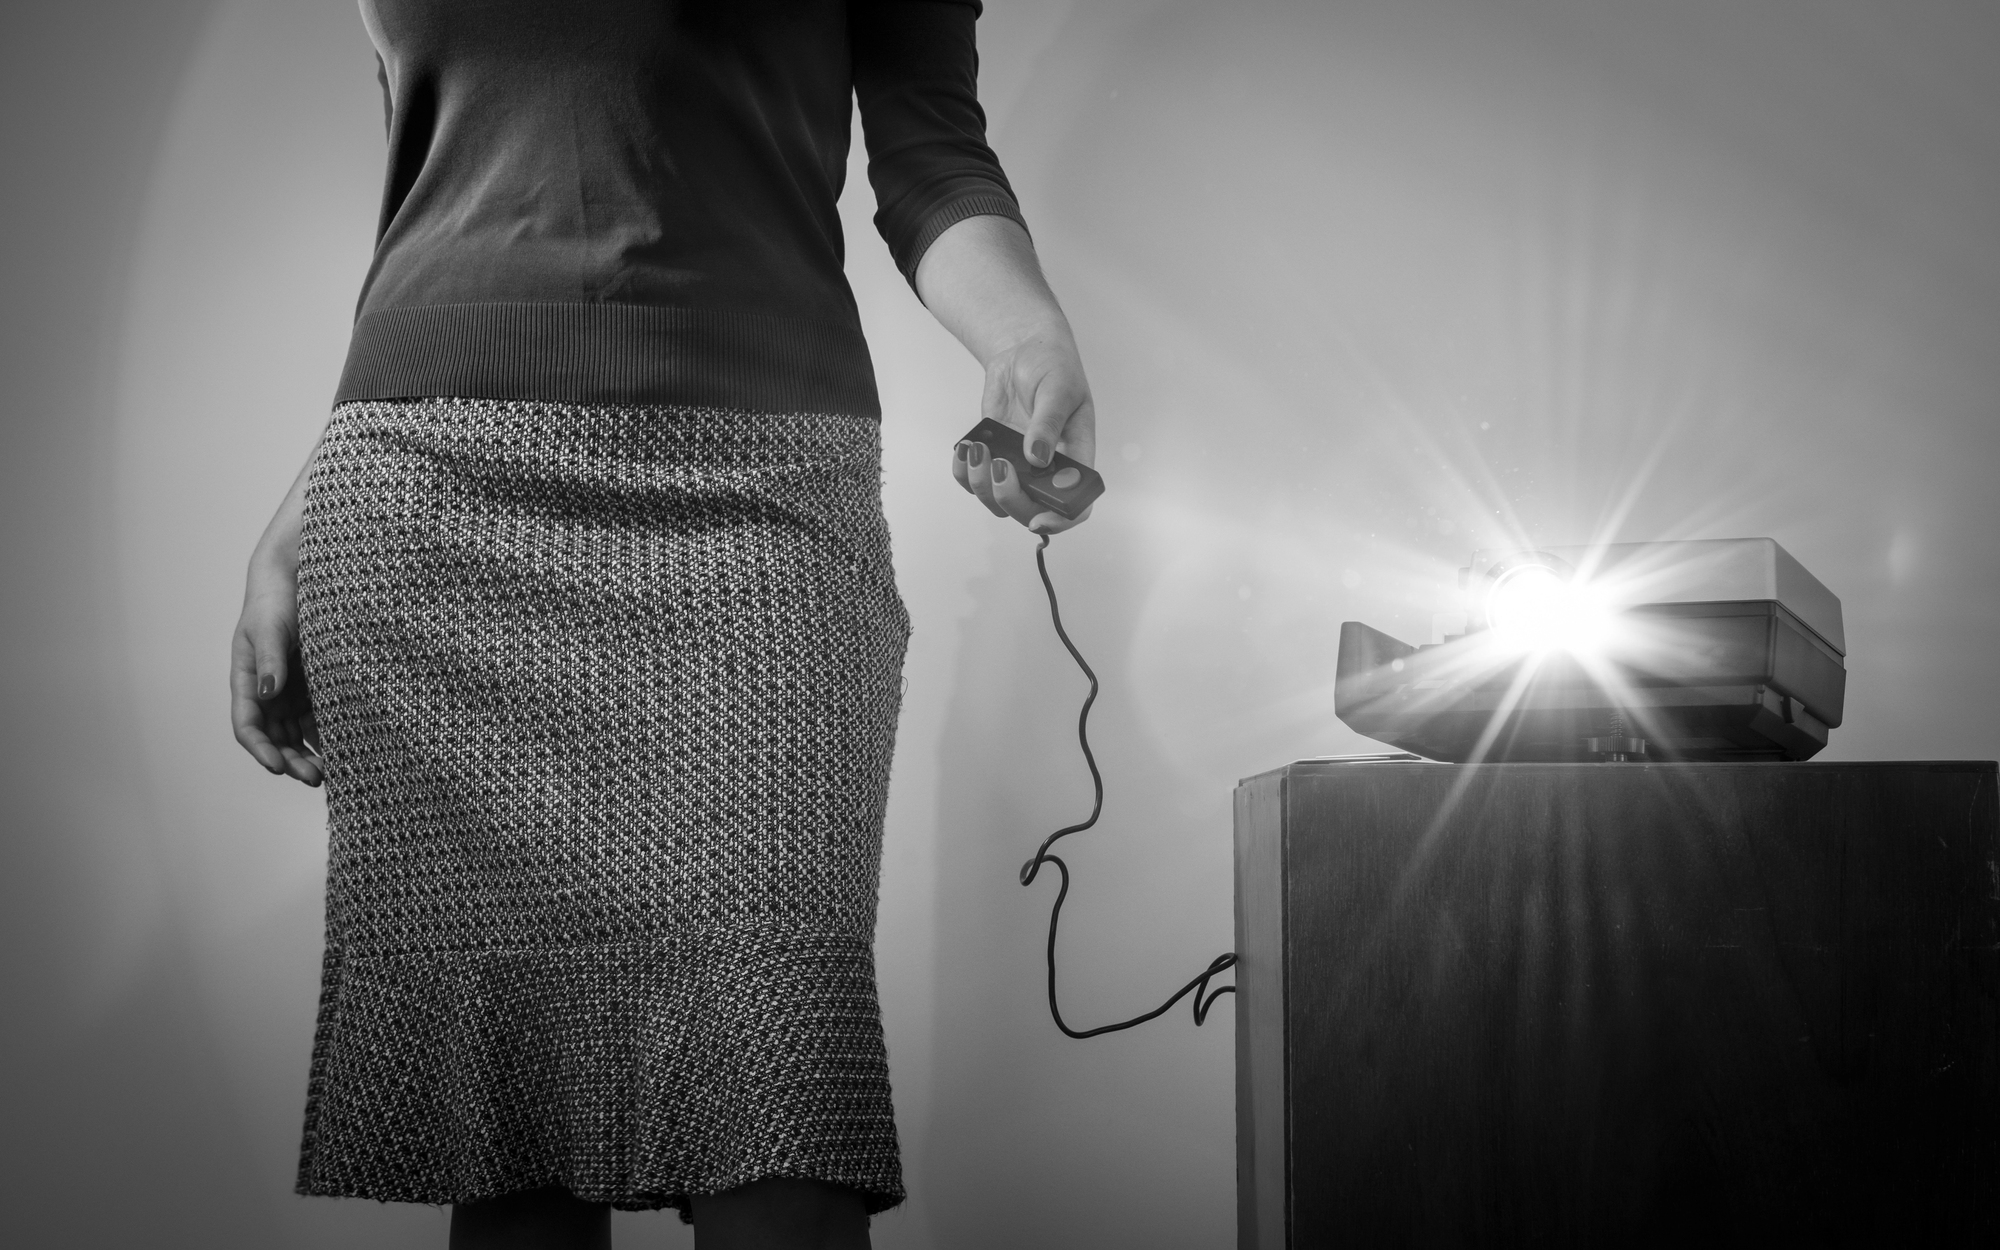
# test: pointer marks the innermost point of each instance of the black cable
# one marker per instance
(1198, 986)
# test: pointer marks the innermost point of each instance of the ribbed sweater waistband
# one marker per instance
(610, 353)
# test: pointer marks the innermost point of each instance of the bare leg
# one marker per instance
(534, 1219)
(779, 1213)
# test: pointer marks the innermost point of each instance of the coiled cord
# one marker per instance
(1204, 998)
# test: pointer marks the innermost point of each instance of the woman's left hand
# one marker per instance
(1038, 388)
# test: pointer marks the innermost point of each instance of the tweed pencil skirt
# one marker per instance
(607, 697)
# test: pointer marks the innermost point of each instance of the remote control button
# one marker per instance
(1066, 478)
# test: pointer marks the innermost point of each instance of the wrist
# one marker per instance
(981, 279)
(1051, 332)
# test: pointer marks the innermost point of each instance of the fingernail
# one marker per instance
(961, 451)
(975, 455)
(999, 470)
(265, 685)
(1038, 451)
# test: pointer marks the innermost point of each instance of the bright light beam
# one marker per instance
(1532, 609)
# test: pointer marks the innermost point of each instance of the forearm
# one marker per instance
(982, 282)
(271, 711)
(279, 546)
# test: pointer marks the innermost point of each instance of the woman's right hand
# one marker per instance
(1038, 388)
(981, 280)
(268, 701)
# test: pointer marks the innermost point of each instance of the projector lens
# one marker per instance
(1536, 607)
(1527, 597)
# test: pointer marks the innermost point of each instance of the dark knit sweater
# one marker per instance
(633, 201)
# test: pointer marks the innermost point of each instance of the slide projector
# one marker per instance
(1709, 650)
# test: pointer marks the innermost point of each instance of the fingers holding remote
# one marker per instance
(973, 468)
(1005, 478)
(996, 483)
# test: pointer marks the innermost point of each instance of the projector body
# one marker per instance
(1719, 650)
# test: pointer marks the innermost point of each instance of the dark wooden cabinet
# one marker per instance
(1618, 1004)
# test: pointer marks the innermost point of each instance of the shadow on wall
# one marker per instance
(109, 1136)
(1362, 287)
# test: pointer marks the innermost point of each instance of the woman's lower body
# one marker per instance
(607, 697)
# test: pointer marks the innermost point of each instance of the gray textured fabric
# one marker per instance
(608, 697)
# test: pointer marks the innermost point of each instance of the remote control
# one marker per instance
(1064, 486)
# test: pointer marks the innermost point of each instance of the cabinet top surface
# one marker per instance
(1326, 767)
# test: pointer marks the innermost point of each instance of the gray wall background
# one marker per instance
(1362, 286)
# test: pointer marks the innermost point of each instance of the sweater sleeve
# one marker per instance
(916, 70)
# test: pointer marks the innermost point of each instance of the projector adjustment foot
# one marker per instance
(1616, 749)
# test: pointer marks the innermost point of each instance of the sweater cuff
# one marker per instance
(949, 214)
